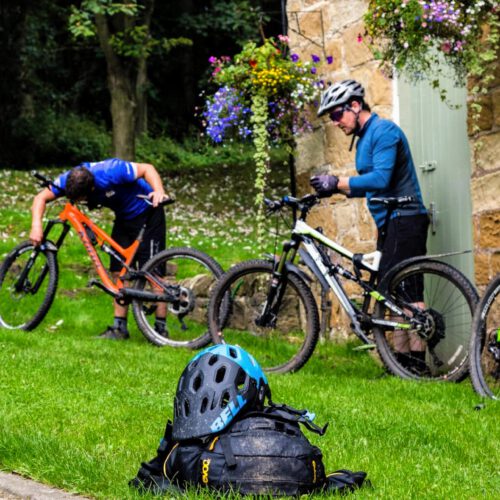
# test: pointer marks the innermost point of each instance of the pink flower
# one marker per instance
(212, 60)
(360, 38)
(446, 47)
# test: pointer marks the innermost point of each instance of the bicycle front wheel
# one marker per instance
(445, 300)
(281, 339)
(189, 274)
(485, 343)
(28, 282)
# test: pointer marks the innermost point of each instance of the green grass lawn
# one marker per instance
(82, 414)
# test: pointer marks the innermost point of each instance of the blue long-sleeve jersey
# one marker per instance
(385, 168)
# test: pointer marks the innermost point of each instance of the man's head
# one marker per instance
(344, 101)
(79, 184)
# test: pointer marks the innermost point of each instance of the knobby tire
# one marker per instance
(236, 302)
(12, 301)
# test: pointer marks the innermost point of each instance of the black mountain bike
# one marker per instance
(485, 343)
(267, 306)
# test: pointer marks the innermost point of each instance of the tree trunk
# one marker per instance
(141, 86)
(123, 99)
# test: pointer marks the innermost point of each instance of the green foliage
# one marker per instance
(242, 19)
(167, 154)
(137, 42)
(415, 36)
(60, 139)
(261, 156)
(81, 20)
(277, 87)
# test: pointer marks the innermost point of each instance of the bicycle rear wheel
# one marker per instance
(283, 341)
(485, 343)
(441, 350)
(28, 283)
(190, 273)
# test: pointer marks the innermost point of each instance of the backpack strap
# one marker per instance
(294, 415)
(150, 476)
(228, 451)
(344, 480)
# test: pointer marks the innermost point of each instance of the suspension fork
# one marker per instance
(277, 287)
(46, 244)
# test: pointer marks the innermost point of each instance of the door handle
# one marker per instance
(428, 166)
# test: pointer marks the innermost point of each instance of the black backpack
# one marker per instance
(263, 452)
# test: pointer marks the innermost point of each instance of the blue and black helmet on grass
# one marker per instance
(219, 383)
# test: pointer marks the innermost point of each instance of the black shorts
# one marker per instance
(125, 232)
(406, 237)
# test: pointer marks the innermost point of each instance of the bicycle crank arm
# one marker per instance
(132, 293)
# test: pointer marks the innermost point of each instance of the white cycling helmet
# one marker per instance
(339, 93)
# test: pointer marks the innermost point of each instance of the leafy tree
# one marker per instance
(123, 31)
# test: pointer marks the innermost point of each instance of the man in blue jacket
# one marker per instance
(114, 184)
(385, 167)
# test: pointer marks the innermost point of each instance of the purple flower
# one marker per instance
(329, 59)
(294, 57)
(315, 58)
(212, 60)
(313, 71)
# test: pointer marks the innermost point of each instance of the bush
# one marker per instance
(51, 139)
(193, 153)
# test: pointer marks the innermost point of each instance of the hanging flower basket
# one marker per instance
(262, 95)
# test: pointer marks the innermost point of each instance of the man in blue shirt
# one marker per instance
(385, 167)
(115, 184)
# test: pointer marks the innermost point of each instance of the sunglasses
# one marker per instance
(336, 116)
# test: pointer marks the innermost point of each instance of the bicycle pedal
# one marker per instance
(365, 347)
(92, 282)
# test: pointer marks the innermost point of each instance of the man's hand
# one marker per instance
(325, 185)
(36, 234)
(156, 197)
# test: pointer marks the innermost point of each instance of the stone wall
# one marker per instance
(331, 28)
(485, 184)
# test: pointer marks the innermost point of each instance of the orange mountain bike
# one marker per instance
(176, 281)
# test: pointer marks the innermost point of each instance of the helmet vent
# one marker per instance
(233, 353)
(197, 382)
(213, 359)
(187, 410)
(240, 380)
(204, 405)
(225, 399)
(220, 374)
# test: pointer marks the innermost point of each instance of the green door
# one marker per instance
(440, 147)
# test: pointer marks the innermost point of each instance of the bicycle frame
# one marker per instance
(72, 216)
(305, 236)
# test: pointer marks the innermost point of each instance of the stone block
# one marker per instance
(482, 268)
(495, 264)
(334, 48)
(308, 26)
(356, 52)
(378, 87)
(486, 152)
(311, 151)
(340, 13)
(495, 98)
(484, 120)
(484, 192)
(337, 147)
(489, 230)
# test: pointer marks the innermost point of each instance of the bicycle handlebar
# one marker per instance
(44, 181)
(305, 202)
(165, 202)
